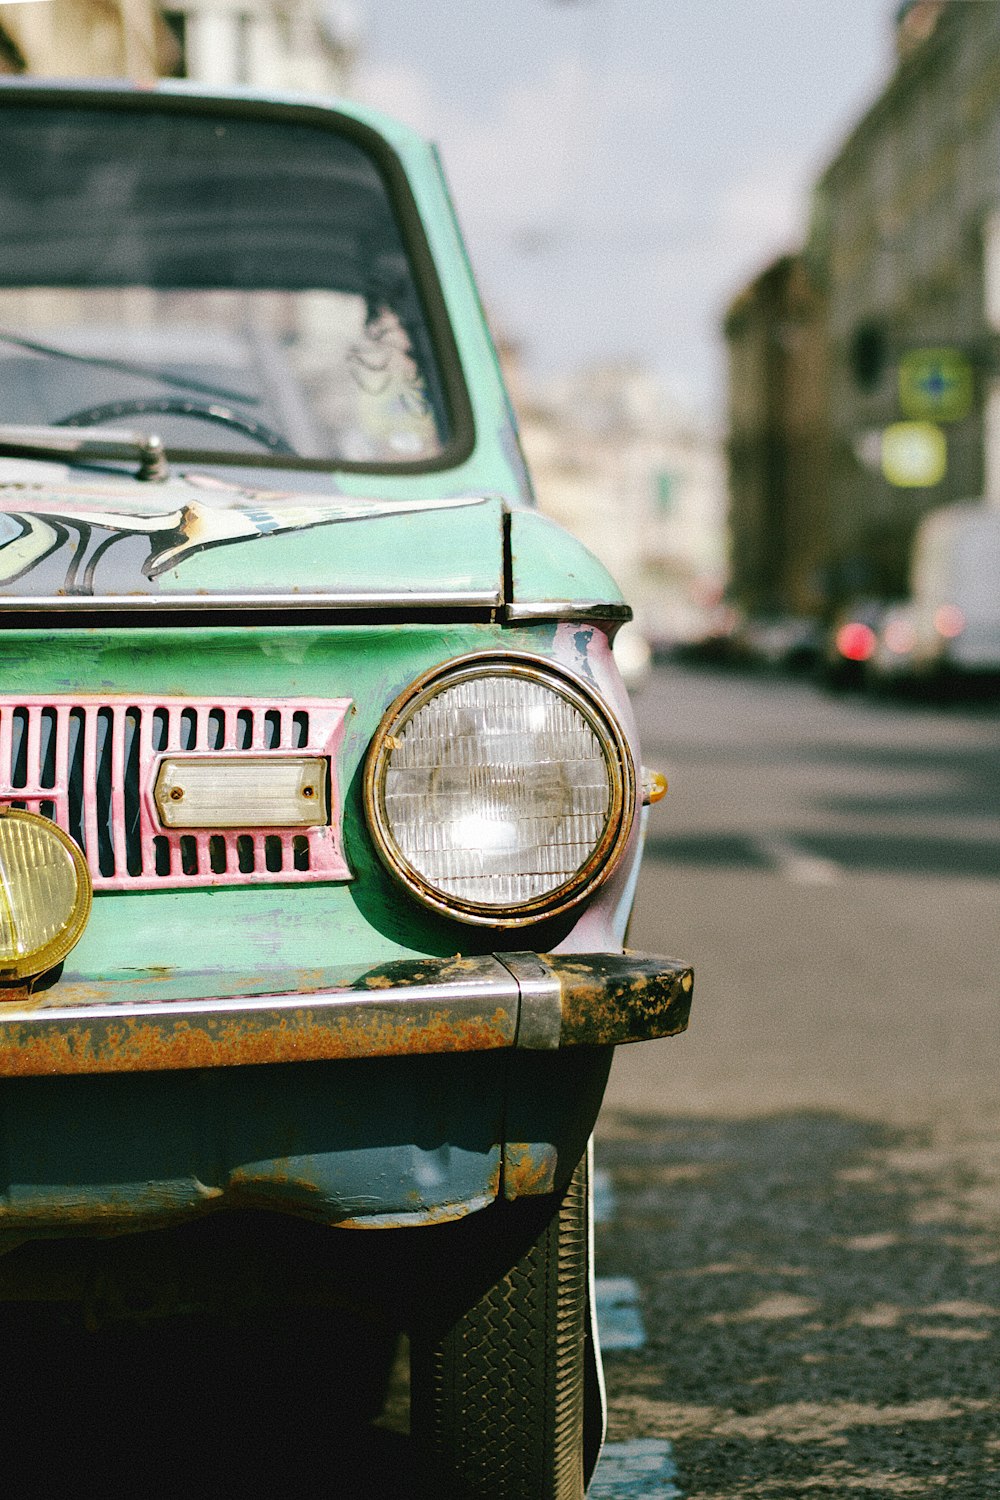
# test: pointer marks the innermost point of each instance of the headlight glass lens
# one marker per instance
(45, 894)
(500, 791)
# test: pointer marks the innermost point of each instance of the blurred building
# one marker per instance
(643, 489)
(865, 372)
(300, 45)
(905, 241)
(777, 442)
(85, 39)
(305, 46)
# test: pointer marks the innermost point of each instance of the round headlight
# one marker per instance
(499, 790)
(45, 894)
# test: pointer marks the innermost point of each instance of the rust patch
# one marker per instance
(133, 1044)
(529, 1169)
(18, 993)
(152, 1210)
(241, 1183)
(610, 999)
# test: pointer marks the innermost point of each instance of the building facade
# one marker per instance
(282, 45)
(777, 444)
(905, 243)
(302, 46)
(864, 383)
(85, 39)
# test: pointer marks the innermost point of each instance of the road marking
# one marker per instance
(605, 1203)
(618, 1317)
(796, 864)
(643, 1469)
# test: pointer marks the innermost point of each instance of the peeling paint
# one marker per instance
(446, 1213)
(529, 1169)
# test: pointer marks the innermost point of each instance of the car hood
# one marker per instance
(92, 541)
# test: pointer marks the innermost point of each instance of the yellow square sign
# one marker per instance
(914, 454)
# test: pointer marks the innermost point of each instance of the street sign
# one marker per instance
(935, 385)
(914, 454)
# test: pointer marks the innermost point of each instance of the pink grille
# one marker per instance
(90, 764)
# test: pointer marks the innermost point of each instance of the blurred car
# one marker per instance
(851, 642)
(955, 589)
(319, 787)
(788, 641)
(891, 662)
(717, 640)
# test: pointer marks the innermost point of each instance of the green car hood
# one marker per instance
(70, 538)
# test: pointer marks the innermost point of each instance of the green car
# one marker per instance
(321, 803)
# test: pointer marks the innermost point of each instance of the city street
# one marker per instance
(805, 1189)
(363, 369)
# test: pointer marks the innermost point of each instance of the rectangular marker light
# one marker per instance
(242, 791)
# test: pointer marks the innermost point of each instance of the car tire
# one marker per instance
(497, 1382)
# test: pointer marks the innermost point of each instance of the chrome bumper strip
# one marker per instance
(408, 1007)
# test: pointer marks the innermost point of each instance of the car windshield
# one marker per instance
(240, 285)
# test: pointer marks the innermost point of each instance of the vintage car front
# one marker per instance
(320, 794)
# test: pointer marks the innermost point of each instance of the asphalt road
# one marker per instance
(806, 1187)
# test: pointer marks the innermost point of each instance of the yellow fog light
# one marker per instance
(45, 894)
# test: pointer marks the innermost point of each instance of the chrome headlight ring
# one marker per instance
(499, 789)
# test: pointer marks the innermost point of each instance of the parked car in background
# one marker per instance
(955, 594)
(851, 642)
(891, 663)
(785, 641)
(321, 799)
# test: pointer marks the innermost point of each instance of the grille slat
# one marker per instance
(33, 759)
(118, 820)
(6, 744)
(91, 764)
(90, 791)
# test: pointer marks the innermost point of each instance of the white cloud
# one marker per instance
(765, 210)
(401, 91)
(525, 160)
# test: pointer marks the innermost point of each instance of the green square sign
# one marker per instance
(935, 385)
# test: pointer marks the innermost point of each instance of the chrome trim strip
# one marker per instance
(127, 603)
(567, 609)
(540, 1023)
(405, 1008)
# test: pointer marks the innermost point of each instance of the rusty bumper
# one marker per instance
(534, 1002)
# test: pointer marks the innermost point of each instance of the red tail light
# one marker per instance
(855, 641)
(949, 621)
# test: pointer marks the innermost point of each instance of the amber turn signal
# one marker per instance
(654, 786)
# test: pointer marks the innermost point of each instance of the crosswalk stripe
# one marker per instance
(605, 1203)
(618, 1316)
(643, 1469)
(795, 864)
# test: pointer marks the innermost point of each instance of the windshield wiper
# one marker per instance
(145, 448)
(125, 367)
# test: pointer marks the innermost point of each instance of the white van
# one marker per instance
(955, 590)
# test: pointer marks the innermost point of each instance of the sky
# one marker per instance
(623, 167)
